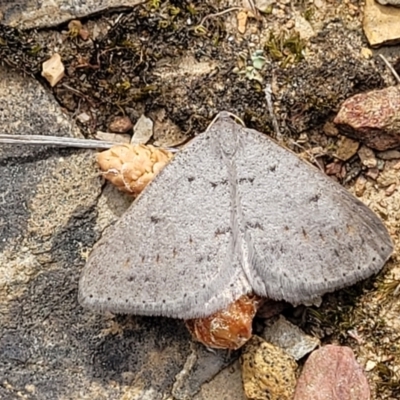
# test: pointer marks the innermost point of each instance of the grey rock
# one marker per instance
(290, 338)
(227, 385)
(26, 14)
(52, 212)
(201, 365)
(389, 155)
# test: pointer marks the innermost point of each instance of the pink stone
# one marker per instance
(372, 118)
(332, 373)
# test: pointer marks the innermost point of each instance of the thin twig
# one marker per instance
(219, 14)
(268, 97)
(308, 152)
(392, 70)
(55, 141)
(254, 9)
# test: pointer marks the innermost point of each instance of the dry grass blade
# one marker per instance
(55, 141)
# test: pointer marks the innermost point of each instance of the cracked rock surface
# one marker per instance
(51, 213)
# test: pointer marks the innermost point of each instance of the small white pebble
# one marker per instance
(83, 118)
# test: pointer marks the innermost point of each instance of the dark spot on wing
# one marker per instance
(143, 258)
(336, 253)
(321, 235)
(190, 240)
(158, 258)
(250, 180)
(154, 219)
(90, 296)
(272, 168)
(109, 298)
(222, 231)
(163, 301)
(315, 198)
(174, 252)
(215, 184)
(255, 225)
(286, 228)
(191, 178)
(305, 233)
(131, 278)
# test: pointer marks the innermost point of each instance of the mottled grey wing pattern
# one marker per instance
(172, 252)
(233, 212)
(304, 234)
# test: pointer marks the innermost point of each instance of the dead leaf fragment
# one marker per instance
(242, 21)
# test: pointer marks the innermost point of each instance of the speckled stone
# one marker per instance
(52, 211)
(372, 118)
(332, 373)
(290, 338)
(381, 23)
(268, 372)
(26, 14)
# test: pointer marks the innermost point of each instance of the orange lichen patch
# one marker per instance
(229, 328)
(131, 167)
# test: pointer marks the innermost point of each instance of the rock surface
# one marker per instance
(372, 118)
(389, 2)
(51, 213)
(27, 14)
(332, 373)
(290, 338)
(381, 23)
(268, 372)
(346, 148)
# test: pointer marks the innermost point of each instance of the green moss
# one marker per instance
(284, 47)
